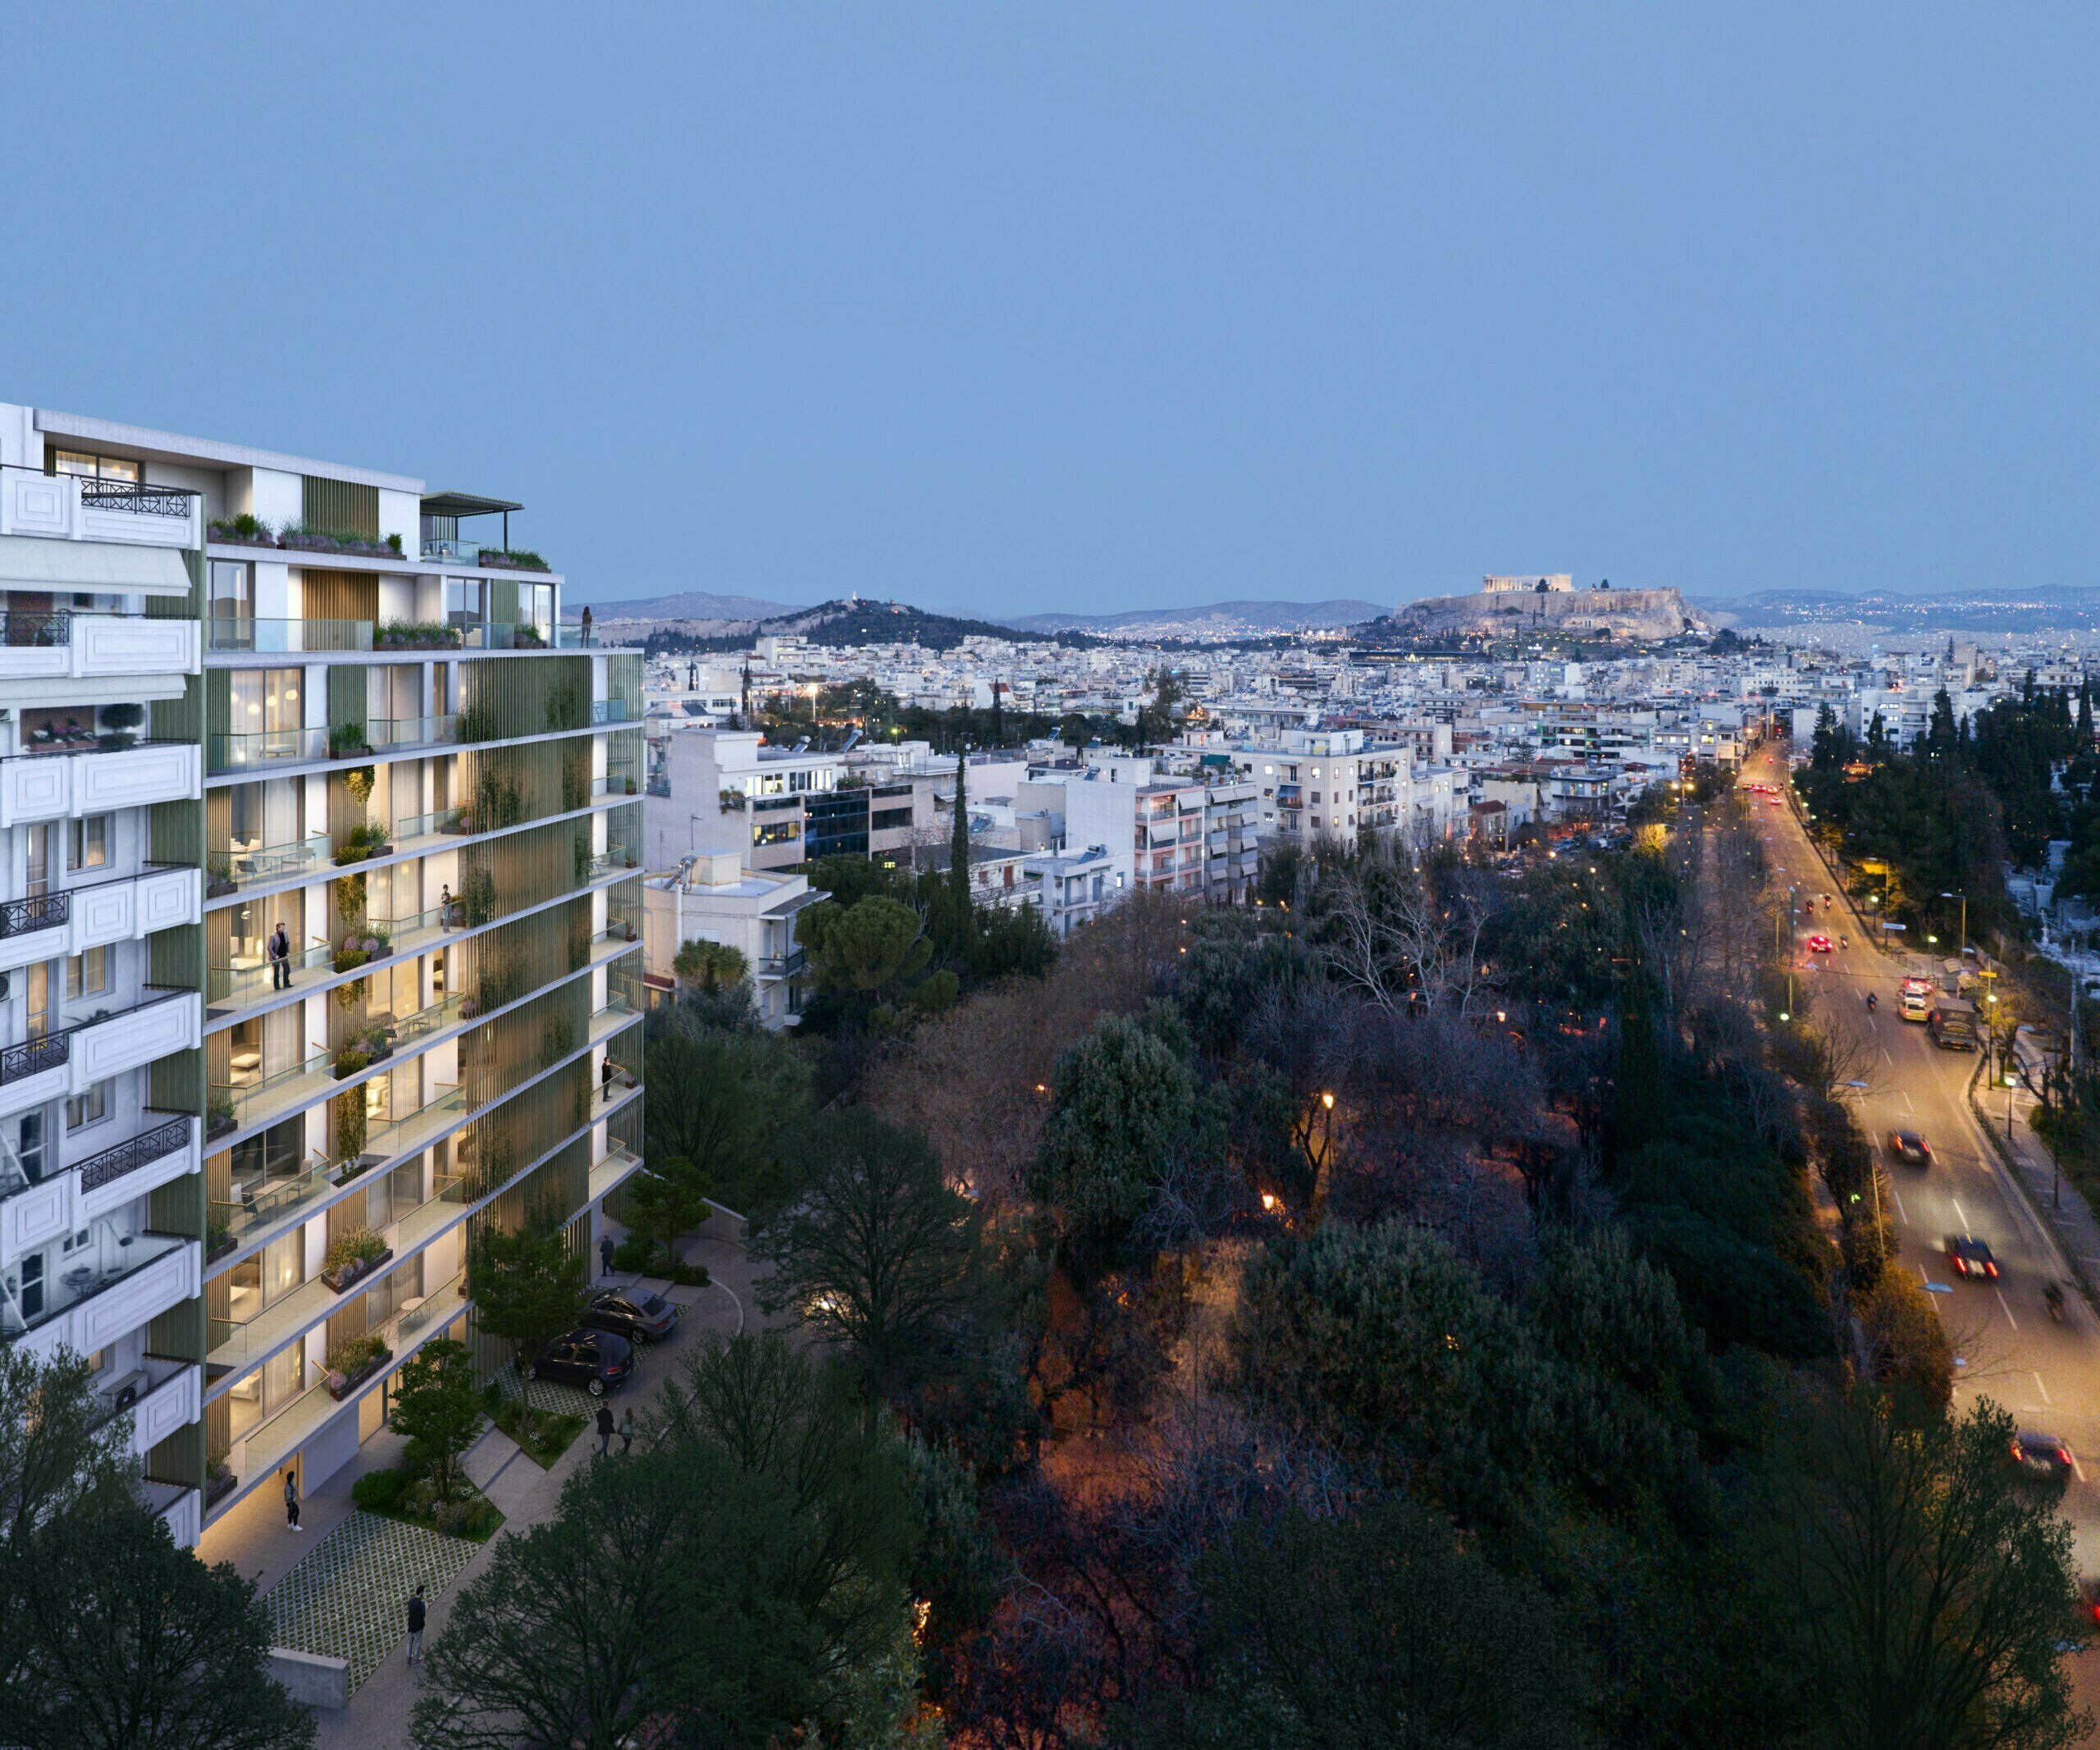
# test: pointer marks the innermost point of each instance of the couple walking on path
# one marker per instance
(606, 1430)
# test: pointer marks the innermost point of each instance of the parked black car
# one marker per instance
(596, 1360)
(634, 1314)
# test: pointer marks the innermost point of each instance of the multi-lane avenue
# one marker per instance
(2009, 1347)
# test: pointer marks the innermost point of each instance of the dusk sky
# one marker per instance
(1002, 309)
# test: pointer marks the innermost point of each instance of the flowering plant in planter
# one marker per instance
(244, 530)
(354, 1360)
(352, 1256)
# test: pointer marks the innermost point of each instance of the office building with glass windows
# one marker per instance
(320, 920)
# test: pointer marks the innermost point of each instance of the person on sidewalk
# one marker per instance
(291, 1502)
(416, 1626)
(627, 1432)
(605, 1430)
(605, 1253)
(279, 945)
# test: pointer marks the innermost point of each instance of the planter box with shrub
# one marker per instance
(352, 1258)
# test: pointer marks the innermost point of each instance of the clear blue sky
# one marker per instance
(1004, 308)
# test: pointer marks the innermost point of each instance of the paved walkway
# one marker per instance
(2056, 1201)
(339, 1586)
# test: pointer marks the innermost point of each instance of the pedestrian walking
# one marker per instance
(279, 945)
(291, 1501)
(605, 1249)
(627, 1431)
(605, 1429)
(416, 1626)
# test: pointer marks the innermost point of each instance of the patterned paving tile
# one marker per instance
(550, 1395)
(345, 1597)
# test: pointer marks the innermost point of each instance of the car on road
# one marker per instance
(1916, 1006)
(634, 1314)
(1909, 1147)
(1819, 944)
(595, 1361)
(2042, 1457)
(1967, 1255)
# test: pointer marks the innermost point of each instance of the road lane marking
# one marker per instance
(2078, 1469)
(2006, 1304)
(2043, 1390)
(1907, 1106)
(1960, 1214)
(1900, 1210)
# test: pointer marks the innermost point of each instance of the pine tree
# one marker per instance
(959, 835)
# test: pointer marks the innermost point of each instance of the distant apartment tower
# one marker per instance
(388, 745)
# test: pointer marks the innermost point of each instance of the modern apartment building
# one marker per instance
(381, 976)
(1330, 784)
(780, 807)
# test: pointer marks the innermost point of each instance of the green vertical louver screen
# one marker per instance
(341, 508)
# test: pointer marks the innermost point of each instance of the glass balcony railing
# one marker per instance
(618, 860)
(414, 826)
(618, 1161)
(262, 1097)
(608, 711)
(250, 865)
(576, 637)
(248, 978)
(228, 753)
(606, 1021)
(412, 731)
(287, 636)
(265, 1201)
(783, 965)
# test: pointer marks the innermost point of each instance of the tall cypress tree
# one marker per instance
(959, 835)
(2084, 715)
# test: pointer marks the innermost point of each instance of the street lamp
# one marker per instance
(1963, 898)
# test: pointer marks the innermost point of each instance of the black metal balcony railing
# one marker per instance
(33, 1057)
(142, 498)
(20, 917)
(38, 628)
(98, 1170)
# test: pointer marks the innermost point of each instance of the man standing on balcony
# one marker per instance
(291, 1501)
(279, 945)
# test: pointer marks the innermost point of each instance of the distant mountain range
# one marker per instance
(715, 618)
(2045, 607)
(1214, 619)
(829, 623)
(691, 604)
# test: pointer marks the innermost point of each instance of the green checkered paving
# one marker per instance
(550, 1396)
(347, 1596)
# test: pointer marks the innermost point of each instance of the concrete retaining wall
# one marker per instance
(312, 1679)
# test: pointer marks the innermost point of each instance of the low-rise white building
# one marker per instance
(716, 898)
